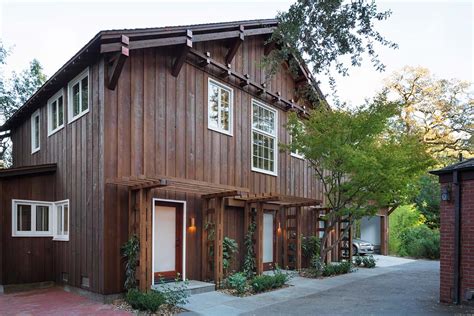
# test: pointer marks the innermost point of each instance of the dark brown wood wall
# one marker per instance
(157, 124)
(25, 260)
(78, 151)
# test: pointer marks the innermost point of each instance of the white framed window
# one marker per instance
(295, 152)
(220, 107)
(78, 96)
(31, 218)
(61, 219)
(35, 131)
(264, 138)
(56, 113)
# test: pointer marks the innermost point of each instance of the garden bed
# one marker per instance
(164, 310)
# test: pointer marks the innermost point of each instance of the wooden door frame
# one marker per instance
(156, 202)
(266, 265)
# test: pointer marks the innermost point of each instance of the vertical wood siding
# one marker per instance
(157, 124)
(78, 150)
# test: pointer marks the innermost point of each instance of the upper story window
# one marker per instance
(295, 152)
(78, 96)
(55, 113)
(35, 131)
(220, 105)
(264, 138)
(40, 219)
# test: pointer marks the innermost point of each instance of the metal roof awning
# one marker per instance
(206, 190)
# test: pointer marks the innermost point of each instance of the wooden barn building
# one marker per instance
(160, 133)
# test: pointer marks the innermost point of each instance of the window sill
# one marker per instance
(221, 131)
(274, 174)
(297, 156)
(31, 235)
(35, 150)
(75, 118)
(50, 133)
(65, 238)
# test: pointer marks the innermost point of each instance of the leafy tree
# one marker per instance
(324, 34)
(440, 110)
(14, 92)
(427, 200)
(361, 163)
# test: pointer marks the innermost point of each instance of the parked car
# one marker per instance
(362, 247)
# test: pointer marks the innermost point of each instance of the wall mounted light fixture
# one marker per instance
(192, 226)
(279, 228)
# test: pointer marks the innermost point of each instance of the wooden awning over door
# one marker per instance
(140, 213)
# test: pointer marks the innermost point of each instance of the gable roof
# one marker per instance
(111, 41)
(464, 165)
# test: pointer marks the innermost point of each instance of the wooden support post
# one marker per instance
(277, 235)
(351, 232)
(179, 62)
(259, 238)
(285, 238)
(219, 241)
(204, 244)
(383, 235)
(142, 235)
(247, 219)
(298, 238)
(149, 242)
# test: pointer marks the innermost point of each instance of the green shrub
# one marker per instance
(419, 242)
(337, 268)
(230, 247)
(238, 282)
(402, 218)
(310, 246)
(130, 251)
(368, 262)
(149, 301)
(357, 260)
(316, 267)
(176, 294)
(262, 283)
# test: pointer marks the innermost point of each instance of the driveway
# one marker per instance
(396, 286)
(52, 301)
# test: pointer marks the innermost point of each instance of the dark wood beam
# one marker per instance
(220, 194)
(235, 46)
(179, 62)
(117, 66)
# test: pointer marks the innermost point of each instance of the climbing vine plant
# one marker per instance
(130, 251)
(249, 261)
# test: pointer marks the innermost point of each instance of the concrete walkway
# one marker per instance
(366, 291)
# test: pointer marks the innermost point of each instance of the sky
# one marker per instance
(438, 35)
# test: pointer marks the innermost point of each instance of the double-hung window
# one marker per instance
(40, 219)
(35, 131)
(220, 101)
(55, 113)
(31, 218)
(78, 96)
(264, 138)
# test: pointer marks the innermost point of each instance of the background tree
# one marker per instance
(427, 201)
(441, 111)
(328, 35)
(361, 163)
(14, 92)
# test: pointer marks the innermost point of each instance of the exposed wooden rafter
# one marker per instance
(234, 47)
(179, 62)
(117, 61)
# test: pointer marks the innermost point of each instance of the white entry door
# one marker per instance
(268, 227)
(164, 244)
